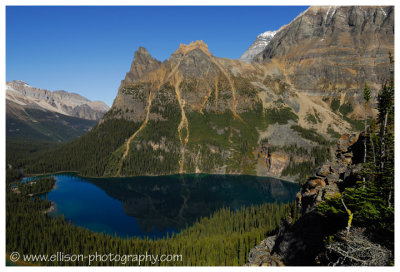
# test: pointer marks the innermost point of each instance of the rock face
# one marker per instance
(278, 161)
(334, 48)
(301, 242)
(70, 104)
(258, 46)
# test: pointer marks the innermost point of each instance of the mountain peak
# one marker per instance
(142, 63)
(141, 51)
(259, 45)
(142, 56)
(20, 82)
(267, 34)
(199, 44)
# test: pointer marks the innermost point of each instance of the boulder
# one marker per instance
(332, 178)
(316, 182)
(324, 170)
(269, 243)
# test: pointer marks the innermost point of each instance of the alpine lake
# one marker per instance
(154, 206)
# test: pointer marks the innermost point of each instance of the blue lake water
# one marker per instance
(155, 206)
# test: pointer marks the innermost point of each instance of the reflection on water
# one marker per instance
(154, 206)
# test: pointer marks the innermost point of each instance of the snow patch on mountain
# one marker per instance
(259, 45)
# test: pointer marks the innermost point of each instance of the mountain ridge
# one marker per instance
(70, 104)
(38, 114)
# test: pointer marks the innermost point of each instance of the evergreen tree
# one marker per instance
(367, 97)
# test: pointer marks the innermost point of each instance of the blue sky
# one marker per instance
(88, 50)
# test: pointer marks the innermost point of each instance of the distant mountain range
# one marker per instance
(33, 113)
(275, 113)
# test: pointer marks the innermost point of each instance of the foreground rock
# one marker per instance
(302, 242)
(334, 175)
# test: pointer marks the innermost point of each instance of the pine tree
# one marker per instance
(386, 136)
(367, 97)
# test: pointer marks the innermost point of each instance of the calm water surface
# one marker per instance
(155, 206)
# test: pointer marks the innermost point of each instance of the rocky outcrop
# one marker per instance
(85, 111)
(301, 242)
(334, 48)
(261, 255)
(334, 175)
(273, 163)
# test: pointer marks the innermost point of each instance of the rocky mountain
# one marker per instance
(70, 104)
(197, 113)
(33, 113)
(334, 48)
(258, 46)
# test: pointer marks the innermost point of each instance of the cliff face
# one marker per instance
(334, 48)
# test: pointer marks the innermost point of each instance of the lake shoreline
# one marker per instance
(164, 175)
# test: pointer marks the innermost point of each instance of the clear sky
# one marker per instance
(88, 50)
